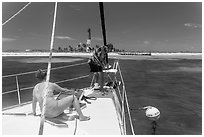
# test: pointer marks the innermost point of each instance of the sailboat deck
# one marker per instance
(104, 119)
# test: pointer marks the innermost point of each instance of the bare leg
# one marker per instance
(96, 77)
(101, 80)
(67, 102)
(78, 109)
(96, 80)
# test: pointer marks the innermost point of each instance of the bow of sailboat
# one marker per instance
(107, 112)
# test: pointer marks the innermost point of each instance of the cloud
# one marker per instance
(146, 42)
(192, 25)
(75, 7)
(7, 39)
(64, 38)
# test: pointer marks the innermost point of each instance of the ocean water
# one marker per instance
(174, 86)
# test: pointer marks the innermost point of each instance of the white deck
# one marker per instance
(103, 114)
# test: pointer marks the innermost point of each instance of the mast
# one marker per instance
(42, 120)
(103, 22)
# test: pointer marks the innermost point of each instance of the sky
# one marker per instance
(132, 26)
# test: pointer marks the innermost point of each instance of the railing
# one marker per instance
(18, 89)
(121, 100)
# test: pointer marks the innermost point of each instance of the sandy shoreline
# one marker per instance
(111, 55)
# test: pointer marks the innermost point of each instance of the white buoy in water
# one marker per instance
(152, 113)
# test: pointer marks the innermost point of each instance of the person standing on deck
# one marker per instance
(54, 107)
(97, 63)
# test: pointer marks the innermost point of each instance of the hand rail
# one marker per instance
(124, 99)
(30, 72)
(18, 89)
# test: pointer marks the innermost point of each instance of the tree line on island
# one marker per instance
(81, 47)
(85, 48)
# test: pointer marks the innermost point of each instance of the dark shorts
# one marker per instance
(95, 68)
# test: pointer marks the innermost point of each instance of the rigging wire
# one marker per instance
(48, 74)
(16, 14)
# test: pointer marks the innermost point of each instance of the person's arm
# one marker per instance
(97, 58)
(59, 89)
(106, 58)
(34, 102)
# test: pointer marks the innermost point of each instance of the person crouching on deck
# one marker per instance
(54, 107)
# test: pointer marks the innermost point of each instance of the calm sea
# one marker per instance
(174, 86)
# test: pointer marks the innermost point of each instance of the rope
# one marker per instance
(48, 75)
(16, 14)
